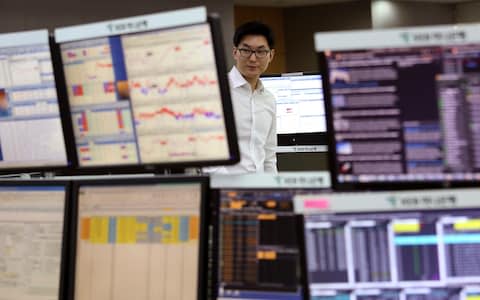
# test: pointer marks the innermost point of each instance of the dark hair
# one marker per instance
(254, 28)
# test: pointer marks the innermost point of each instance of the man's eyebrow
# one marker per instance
(248, 46)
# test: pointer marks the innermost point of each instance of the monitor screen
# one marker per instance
(31, 133)
(140, 241)
(300, 108)
(31, 239)
(405, 245)
(258, 245)
(403, 104)
(149, 90)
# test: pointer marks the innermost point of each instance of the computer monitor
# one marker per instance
(258, 256)
(417, 244)
(149, 91)
(140, 239)
(300, 108)
(402, 104)
(31, 132)
(33, 226)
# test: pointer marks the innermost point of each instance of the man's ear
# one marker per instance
(234, 51)
(272, 54)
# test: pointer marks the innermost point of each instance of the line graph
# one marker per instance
(179, 115)
(170, 51)
(183, 147)
(185, 87)
(176, 118)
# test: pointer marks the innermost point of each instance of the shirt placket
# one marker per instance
(252, 130)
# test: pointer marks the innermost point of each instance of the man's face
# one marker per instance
(251, 67)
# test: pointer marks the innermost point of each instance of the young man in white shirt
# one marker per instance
(254, 107)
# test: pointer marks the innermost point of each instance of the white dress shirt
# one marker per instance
(255, 119)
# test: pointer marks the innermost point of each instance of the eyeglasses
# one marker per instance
(246, 53)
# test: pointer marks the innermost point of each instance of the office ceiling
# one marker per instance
(287, 3)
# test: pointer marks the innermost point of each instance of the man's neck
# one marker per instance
(253, 83)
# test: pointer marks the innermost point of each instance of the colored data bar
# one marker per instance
(406, 227)
(133, 230)
(473, 224)
(267, 255)
(416, 240)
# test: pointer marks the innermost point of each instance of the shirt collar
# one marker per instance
(237, 80)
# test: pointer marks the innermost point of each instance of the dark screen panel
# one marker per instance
(404, 110)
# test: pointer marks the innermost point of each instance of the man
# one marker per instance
(254, 107)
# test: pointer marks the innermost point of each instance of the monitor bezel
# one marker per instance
(372, 185)
(213, 20)
(304, 282)
(53, 168)
(204, 219)
(65, 250)
(301, 138)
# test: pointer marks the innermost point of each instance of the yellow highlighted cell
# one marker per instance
(260, 255)
(175, 229)
(126, 230)
(99, 230)
(167, 230)
(237, 204)
(271, 203)
(267, 255)
(142, 227)
(473, 224)
(406, 227)
(267, 217)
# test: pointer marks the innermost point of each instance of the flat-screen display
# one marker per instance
(258, 244)
(31, 132)
(149, 90)
(300, 108)
(412, 245)
(403, 104)
(32, 228)
(141, 240)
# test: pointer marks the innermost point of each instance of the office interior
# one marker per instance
(294, 23)
(280, 198)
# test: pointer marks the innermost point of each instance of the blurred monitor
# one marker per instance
(32, 225)
(149, 90)
(258, 249)
(421, 244)
(403, 104)
(300, 108)
(31, 133)
(140, 239)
